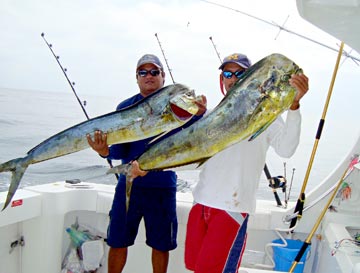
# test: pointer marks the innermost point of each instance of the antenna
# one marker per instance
(285, 29)
(348, 54)
(282, 27)
(162, 51)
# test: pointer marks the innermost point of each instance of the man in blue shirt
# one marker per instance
(153, 194)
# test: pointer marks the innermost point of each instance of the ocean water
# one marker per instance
(28, 117)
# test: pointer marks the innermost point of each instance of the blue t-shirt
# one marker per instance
(127, 152)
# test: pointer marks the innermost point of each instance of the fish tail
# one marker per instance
(124, 169)
(17, 167)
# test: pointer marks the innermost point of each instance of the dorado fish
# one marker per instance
(253, 103)
(158, 113)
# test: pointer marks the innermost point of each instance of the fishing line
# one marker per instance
(72, 87)
(163, 53)
(283, 28)
(301, 200)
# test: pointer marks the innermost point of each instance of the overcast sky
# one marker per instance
(99, 42)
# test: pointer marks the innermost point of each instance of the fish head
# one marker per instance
(271, 89)
(183, 102)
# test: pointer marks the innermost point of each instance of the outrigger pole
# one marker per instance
(72, 88)
(301, 200)
(284, 29)
(307, 242)
(272, 180)
(162, 51)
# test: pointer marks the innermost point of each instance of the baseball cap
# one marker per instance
(237, 58)
(149, 59)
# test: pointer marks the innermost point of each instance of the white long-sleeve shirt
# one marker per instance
(229, 179)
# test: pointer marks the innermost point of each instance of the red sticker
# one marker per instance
(16, 203)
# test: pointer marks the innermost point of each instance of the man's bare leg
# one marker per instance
(160, 260)
(116, 259)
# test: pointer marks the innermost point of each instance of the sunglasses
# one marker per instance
(153, 72)
(229, 74)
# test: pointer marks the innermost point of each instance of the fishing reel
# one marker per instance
(278, 182)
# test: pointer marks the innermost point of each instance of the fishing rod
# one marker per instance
(220, 76)
(287, 197)
(72, 87)
(307, 242)
(217, 52)
(284, 188)
(284, 29)
(64, 71)
(314, 202)
(163, 53)
(301, 200)
(274, 182)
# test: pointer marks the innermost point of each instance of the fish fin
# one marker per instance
(258, 132)
(17, 167)
(202, 162)
(158, 137)
(124, 169)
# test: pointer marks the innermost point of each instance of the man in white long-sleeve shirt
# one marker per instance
(226, 192)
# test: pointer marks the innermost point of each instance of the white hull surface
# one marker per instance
(42, 213)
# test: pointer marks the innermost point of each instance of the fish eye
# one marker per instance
(285, 77)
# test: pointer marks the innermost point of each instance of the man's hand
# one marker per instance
(201, 102)
(136, 171)
(99, 143)
(301, 83)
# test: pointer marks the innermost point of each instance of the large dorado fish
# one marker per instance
(158, 113)
(252, 104)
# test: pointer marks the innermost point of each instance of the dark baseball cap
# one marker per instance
(237, 58)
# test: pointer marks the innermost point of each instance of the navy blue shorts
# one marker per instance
(158, 208)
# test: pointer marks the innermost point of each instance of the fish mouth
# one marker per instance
(180, 113)
(185, 105)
